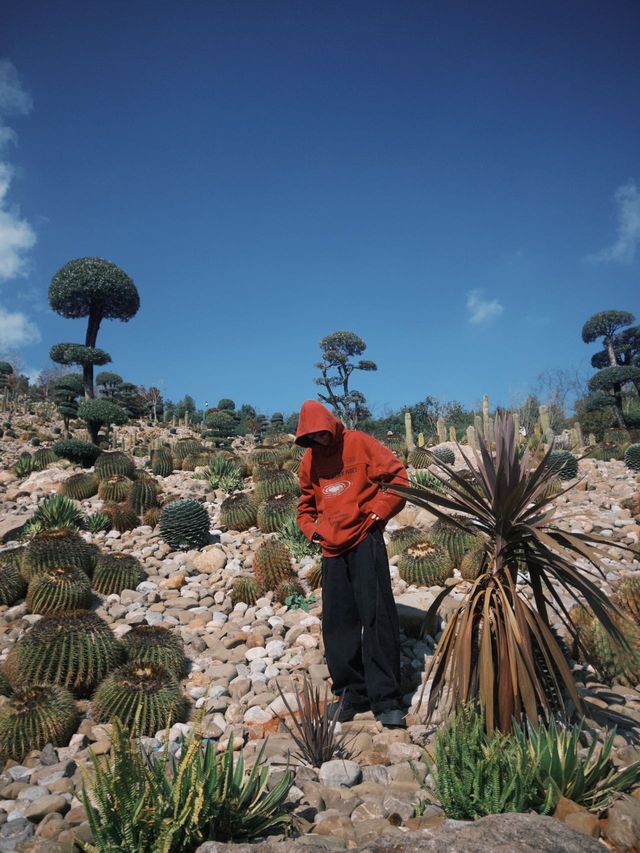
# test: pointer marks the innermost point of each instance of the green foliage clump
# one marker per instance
(115, 463)
(115, 572)
(158, 645)
(114, 489)
(143, 494)
(59, 590)
(296, 541)
(185, 525)
(426, 480)
(425, 563)
(59, 547)
(172, 806)
(99, 413)
(161, 462)
(476, 775)
(79, 487)
(12, 585)
(53, 513)
(564, 463)
(25, 465)
(245, 589)
(276, 511)
(145, 698)
(76, 650)
(33, 717)
(81, 452)
(239, 512)
(272, 564)
(276, 482)
(98, 522)
(225, 474)
(121, 516)
(632, 457)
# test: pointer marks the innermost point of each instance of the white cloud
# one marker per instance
(14, 100)
(16, 330)
(625, 248)
(481, 310)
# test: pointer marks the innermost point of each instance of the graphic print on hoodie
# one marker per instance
(340, 483)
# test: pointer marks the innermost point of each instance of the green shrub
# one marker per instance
(116, 572)
(168, 806)
(100, 412)
(59, 590)
(33, 717)
(296, 541)
(158, 645)
(185, 525)
(81, 452)
(224, 474)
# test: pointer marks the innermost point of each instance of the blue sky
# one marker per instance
(456, 182)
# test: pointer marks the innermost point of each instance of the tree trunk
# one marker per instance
(612, 353)
(617, 406)
(94, 429)
(93, 326)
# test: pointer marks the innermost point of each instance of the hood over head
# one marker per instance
(314, 417)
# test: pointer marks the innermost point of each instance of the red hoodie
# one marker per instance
(340, 483)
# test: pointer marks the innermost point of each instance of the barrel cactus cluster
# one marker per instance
(425, 563)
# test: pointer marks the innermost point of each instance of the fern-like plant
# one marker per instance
(33, 717)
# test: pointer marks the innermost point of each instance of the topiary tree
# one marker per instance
(6, 370)
(98, 413)
(66, 390)
(97, 289)
(226, 405)
(222, 425)
(616, 363)
(336, 367)
(108, 383)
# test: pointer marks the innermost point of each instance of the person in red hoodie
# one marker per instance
(343, 509)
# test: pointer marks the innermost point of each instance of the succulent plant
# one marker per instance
(44, 456)
(296, 541)
(158, 645)
(424, 478)
(225, 474)
(33, 717)
(5, 688)
(263, 456)
(444, 454)
(454, 539)
(115, 572)
(627, 594)
(145, 698)
(292, 465)
(277, 482)
(288, 588)
(109, 464)
(245, 589)
(79, 487)
(274, 512)
(473, 563)
(152, 516)
(632, 457)
(238, 512)
(272, 564)
(55, 512)
(75, 650)
(613, 663)
(185, 525)
(114, 489)
(403, 537)
(122, 517)
(162, 462)
(60, 547)
(565, 463)
(419, 458)
(59, 590)
(12, 585)
(195, 460)
(82, 453)
(98, 522)
(143, 494)
(552, 488)
(314, 578)
(25, 465)
(425, 564)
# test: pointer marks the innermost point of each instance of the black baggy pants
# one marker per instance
(360, 625)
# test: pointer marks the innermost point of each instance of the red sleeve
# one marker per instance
(307, 511)
(385, 467)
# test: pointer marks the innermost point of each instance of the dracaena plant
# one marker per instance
(498, 647)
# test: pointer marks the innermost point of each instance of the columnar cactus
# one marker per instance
(114, 462)
(115, 572)
(33, 717)
(272, 564)
(275, 511)
(157, 645)
(143, 494)
(425, 564)
(185, 525)
(59, 590)
(60, 547)
(632, 457)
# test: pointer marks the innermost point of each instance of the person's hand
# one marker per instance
(376, 518)
(316, 538)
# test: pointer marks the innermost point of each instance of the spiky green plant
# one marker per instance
(25, 465)
(57, 511)
(60, 547)
(224, 474)
(114, 462)
(185, 447)
(271, 564)
(12, 585)
(276, 511)
(98, 522)
(169, 806)
(632, 457)
(276, 482)
(288, 589)
(162, 462)
(444, 454)
(121, 516)
(76, 650)
(239, 512)
(152, 516)
(158, 645)
(185, 525)
(83, 453)
(420, 458)
(473, 563)
(44, 456)
(314, 578)
(79, 487)
(296, 541)
(115, 572)
(114, 489)
(245, 589)
(143, 494)
(498, 646)
(454, 535)
(263, 456)
(59, 590)
(426, 480)
(33, 717)
(425, 563)
(476, 775)
(402, 537)
(5, 688)
(564, 463)
(145, 697)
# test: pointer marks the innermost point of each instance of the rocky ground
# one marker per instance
(239, 655)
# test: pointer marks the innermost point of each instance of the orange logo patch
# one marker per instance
(335, 489)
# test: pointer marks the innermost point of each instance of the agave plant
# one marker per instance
(497, 646)
(53, 512)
